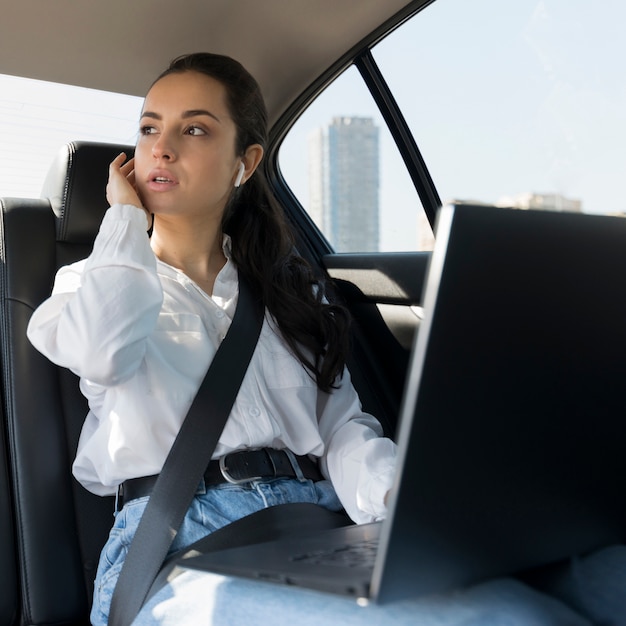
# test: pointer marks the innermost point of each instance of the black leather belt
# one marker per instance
(237, 468)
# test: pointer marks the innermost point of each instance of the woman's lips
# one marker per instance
(161, 180)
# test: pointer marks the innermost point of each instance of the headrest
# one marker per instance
(76, 188)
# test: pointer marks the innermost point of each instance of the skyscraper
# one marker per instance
(344, 183)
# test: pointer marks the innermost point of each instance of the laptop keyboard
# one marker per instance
(358, 554)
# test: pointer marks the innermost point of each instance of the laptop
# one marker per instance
(512, 433)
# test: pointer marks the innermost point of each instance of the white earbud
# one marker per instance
(242, 171)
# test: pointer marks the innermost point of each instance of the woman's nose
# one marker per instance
(163, 148)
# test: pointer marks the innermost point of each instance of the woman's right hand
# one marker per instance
(121, 186)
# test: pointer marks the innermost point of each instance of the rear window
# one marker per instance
(38, 117)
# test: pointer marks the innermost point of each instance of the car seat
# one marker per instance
(59, 527)
(9, 597)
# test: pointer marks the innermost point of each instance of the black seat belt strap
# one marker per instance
(190, 454)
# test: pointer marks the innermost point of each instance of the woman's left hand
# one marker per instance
(121, 186)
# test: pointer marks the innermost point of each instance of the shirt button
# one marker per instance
(219, 313)
(254, 411)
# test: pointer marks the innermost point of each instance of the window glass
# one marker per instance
(37, 118)
(343, 165)
(520, 104)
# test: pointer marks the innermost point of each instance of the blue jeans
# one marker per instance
(211, 509)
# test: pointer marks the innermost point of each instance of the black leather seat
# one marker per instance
(59, 527)
(9, 596)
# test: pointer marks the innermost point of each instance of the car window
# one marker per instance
(344, 167)
(521, 106)
(38, 117)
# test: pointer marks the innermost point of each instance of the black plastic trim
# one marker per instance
(401, 133)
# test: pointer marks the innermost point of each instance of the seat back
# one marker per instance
(9, 597)
(59, 527)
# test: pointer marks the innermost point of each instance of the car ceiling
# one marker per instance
(121, 45)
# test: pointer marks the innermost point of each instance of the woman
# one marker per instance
(140, 320)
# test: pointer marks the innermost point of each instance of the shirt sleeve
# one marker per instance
(359, 461)
(102, 309)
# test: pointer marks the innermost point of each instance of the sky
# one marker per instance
(503, 98)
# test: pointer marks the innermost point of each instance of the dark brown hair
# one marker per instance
(316, 330)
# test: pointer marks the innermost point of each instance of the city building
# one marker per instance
(344, 183)
(545, 201)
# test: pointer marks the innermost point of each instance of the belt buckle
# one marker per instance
(230, 479)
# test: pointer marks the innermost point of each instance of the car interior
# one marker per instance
(51, 529)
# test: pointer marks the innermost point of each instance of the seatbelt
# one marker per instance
(187, 460)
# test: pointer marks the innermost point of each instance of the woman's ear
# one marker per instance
(250, 159)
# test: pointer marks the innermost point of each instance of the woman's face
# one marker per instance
(185, 161)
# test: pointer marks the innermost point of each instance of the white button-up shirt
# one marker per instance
(140, 335)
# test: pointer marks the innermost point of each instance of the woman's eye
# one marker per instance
(196, 130)
(147, 130)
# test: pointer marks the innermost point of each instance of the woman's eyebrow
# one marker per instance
(185, 115)
(196, 112)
